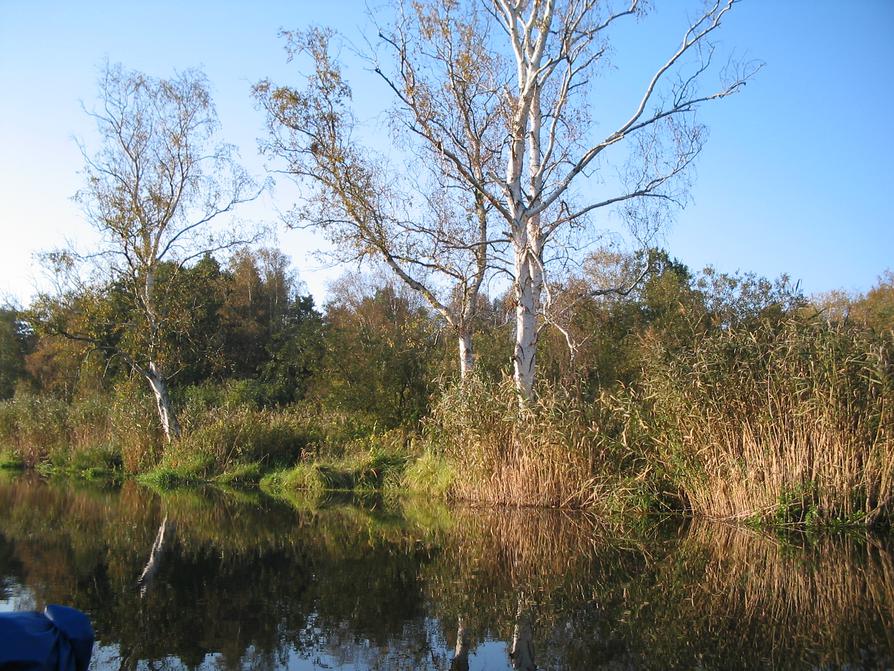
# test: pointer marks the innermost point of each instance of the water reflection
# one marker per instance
(226, 580)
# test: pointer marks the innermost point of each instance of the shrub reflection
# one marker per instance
(242, 581)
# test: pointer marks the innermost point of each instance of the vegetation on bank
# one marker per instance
(783, 423)
(177, 351)
(729, 397)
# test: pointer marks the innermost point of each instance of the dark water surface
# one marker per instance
(227, 580)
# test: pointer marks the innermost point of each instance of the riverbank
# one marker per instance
(788, 424)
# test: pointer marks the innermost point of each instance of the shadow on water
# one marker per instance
(224, 579)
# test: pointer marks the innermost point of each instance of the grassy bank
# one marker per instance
(785, 423)
(378, 469)
(559, 451)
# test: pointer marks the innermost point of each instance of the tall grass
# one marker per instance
(134, 430)
(120, 429)
(87, 433)
(557, 451)
(33, 428)
(786, 423)
(222, 443)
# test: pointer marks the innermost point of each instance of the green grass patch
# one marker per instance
(430, 474)
(379, 470)
(192, 470)
(10, 461)
(241, 474)
(371, 471)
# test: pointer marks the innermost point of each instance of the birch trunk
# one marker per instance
(525, 356)
(166, 414)
(534, 249)
(466, 354)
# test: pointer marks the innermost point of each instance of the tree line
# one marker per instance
(375, 347)
(496, 171)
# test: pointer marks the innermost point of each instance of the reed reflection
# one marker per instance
(247, 582)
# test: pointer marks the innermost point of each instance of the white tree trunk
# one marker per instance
(528, 249)
(525, 356)
(466, 354)
(166, 415)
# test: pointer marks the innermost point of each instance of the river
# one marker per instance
(225, 579)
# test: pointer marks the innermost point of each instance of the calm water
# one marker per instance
(225, 580)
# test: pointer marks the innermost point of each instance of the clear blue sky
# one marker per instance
(796, 176)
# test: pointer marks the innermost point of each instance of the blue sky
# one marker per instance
(796, 176)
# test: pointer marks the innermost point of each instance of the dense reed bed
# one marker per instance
(558, 451)
(782, 423)
(785, 422)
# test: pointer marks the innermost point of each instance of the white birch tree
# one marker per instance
(547, 53)
(432, 230)
(154, 189)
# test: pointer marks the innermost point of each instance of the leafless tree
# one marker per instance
(543, 54)
(430, 228)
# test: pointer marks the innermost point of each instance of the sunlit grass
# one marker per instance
(782, 424)
(367, 471)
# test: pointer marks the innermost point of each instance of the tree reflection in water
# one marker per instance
(247, 582)
(460, 661)
(162, 542)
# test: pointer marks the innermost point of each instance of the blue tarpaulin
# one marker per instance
(59, 639)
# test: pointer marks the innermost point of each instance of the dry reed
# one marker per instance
(788, 423)
(550, 452)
